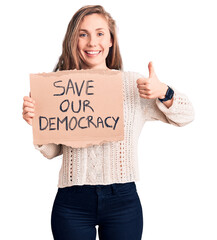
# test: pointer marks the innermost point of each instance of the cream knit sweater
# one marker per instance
(117, 162)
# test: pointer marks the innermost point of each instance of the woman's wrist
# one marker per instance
(164, 89)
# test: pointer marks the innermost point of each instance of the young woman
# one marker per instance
(97, 184)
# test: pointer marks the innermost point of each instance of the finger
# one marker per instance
(145, 96)
(28, 104)
(28, 115)
(26, 98)
(151, 69)
(29, 99)
(144, 86)
(145, 92)
(28, 109)
(142, 81)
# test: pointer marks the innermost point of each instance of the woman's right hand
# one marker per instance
(28, 109)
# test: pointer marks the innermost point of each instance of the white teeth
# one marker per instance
(92, 52)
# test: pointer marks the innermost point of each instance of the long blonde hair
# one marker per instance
(70, 58)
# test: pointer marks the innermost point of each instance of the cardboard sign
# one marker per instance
(77, 108)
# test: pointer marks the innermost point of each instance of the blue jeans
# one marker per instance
(115, 208)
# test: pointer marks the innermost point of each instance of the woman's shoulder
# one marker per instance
(129, 74)
(132, 74)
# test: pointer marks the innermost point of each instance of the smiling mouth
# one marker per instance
(92, 53)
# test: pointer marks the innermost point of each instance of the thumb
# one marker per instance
(151, 69)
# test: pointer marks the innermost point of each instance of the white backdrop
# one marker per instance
(178, 169)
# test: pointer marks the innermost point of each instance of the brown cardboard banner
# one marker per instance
(77, 108)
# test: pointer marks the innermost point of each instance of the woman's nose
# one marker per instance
(92, 41)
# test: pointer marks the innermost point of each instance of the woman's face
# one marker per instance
(94, 41)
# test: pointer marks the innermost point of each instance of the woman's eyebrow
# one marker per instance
(85, 30)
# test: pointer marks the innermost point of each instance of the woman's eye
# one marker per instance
(83, 35)
(100, 34)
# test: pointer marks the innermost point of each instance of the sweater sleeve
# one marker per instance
(179, 114)
(50, 150)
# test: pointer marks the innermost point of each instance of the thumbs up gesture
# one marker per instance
(151, 87)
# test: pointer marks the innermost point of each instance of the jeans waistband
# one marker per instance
(102, 188)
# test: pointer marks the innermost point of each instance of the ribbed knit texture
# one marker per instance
(117, 162)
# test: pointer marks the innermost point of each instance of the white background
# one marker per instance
(178, 169)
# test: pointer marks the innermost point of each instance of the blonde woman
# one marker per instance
(97, 184)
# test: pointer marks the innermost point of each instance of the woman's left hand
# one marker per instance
(151, 87)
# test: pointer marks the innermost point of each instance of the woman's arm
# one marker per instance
(177, 111)
(50, 150)
(180, 113)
